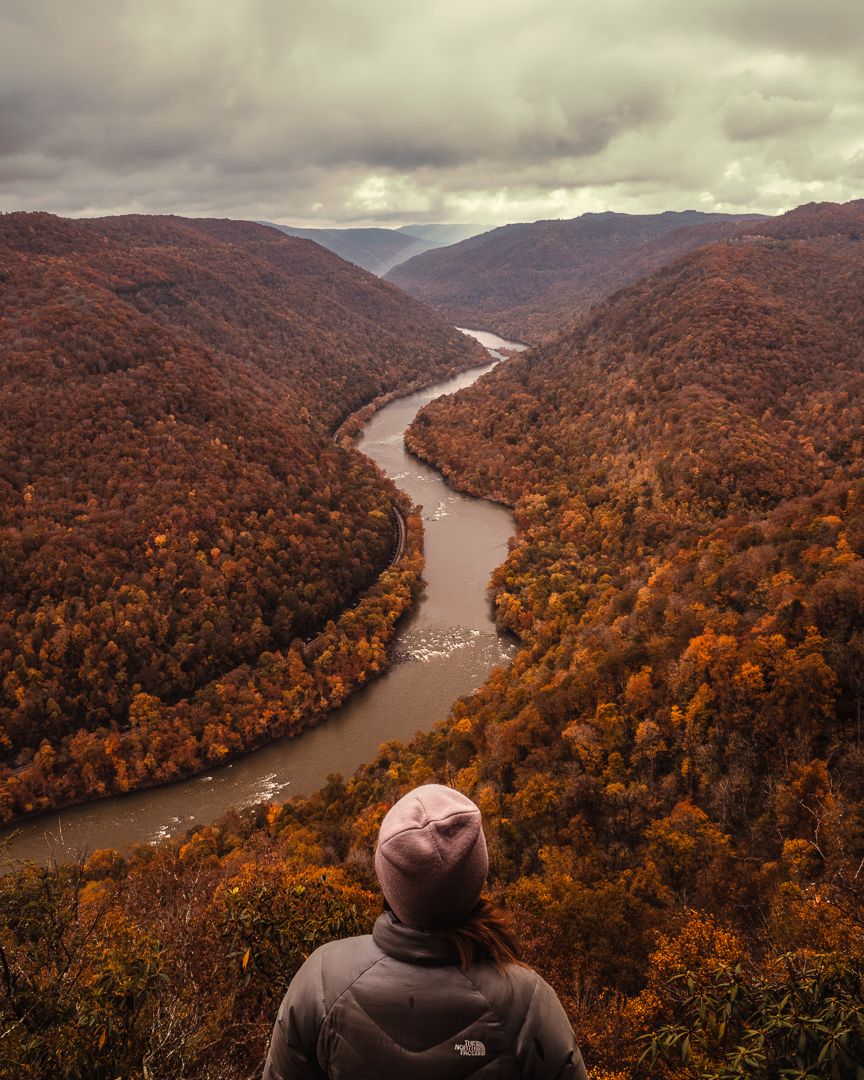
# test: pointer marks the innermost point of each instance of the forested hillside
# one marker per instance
(671, 772)
(172, 505)
(530, 280)
(680, 747)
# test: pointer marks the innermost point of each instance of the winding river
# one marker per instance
(443, 650)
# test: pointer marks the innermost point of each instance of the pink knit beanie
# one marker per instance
(431, 858)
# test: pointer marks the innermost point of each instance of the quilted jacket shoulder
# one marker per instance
(395, 1004)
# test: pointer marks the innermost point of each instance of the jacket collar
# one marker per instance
(410, 944)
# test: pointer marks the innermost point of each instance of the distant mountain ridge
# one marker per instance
(443, 235)
(375, 250)
(379, 250)
(532, 279)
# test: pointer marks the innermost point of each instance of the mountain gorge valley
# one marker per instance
(670, 768)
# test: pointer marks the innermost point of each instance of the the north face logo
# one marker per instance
(471, 1048)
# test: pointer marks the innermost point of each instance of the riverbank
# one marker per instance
(442, 650)
(283, 693)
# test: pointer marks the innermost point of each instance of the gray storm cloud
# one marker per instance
(336, 112)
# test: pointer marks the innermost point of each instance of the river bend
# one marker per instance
(443, 650)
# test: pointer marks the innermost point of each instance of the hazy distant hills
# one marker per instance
(530, 280)
(378, 250)
(168, 484)
(441, 235)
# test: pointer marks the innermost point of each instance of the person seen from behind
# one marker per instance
(436, 991)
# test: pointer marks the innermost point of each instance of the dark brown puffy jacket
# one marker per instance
(394, 1005)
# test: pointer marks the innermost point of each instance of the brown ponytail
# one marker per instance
(485, 935)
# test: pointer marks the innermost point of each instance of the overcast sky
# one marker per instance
(394, 111)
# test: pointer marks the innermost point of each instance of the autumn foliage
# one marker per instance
(671, 772)
(683, 729)
(175, 518)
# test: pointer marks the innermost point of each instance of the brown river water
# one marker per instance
(443, 650)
